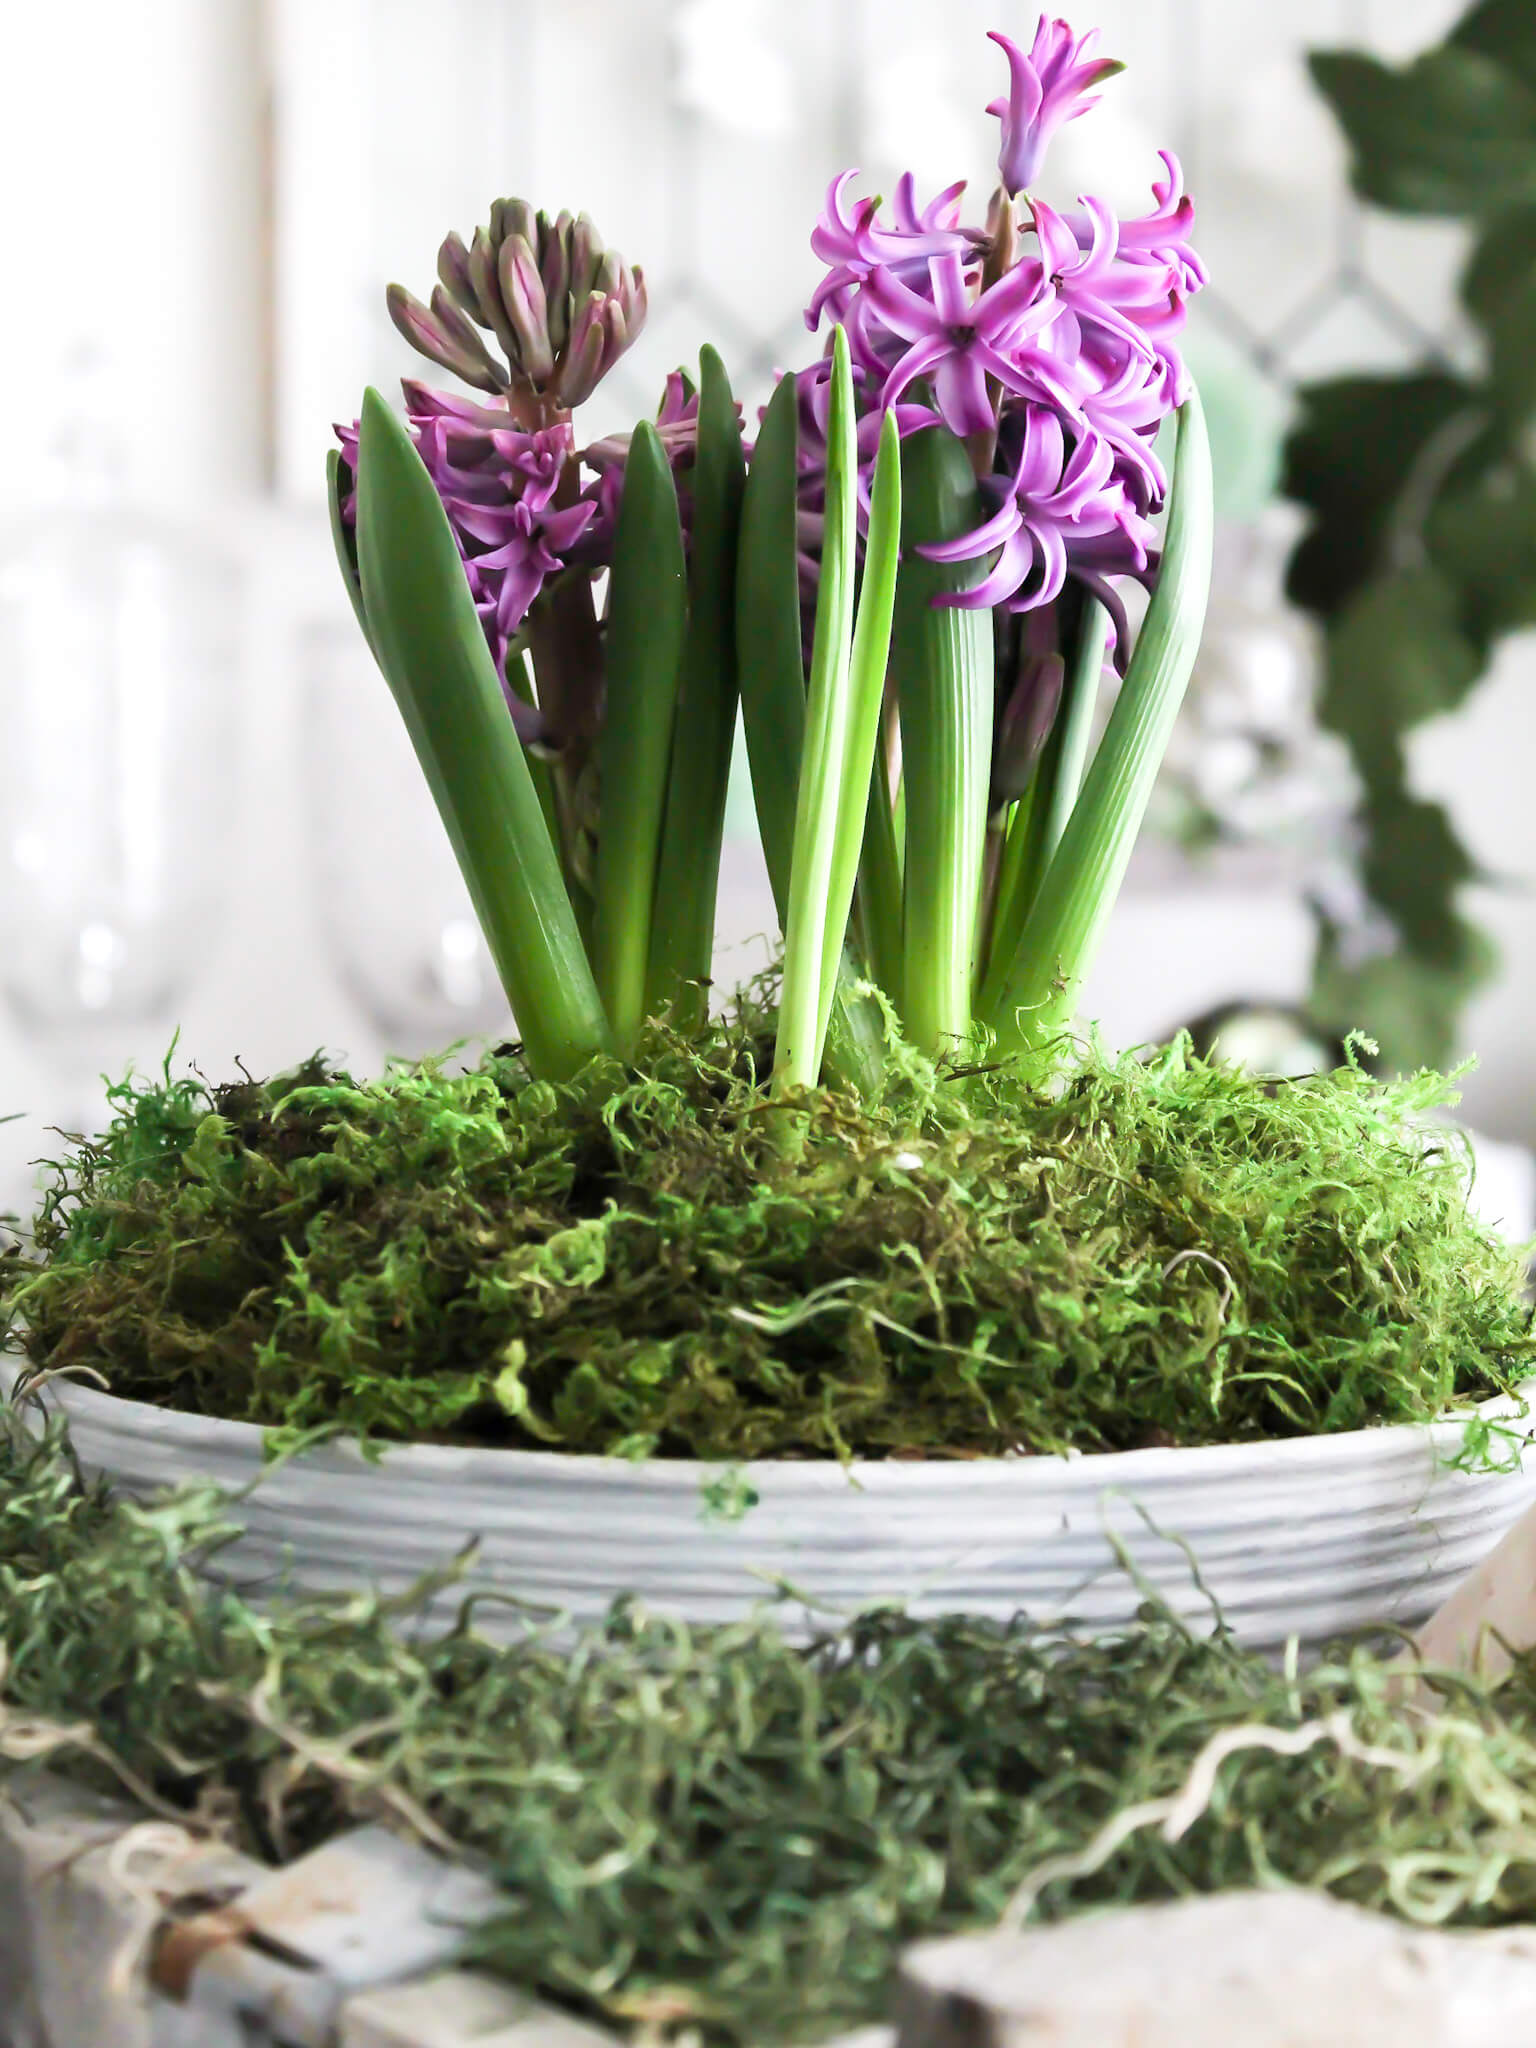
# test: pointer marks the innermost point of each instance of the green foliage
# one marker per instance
(427, 637)
(942, 668)
(768, 635)
(1356, 443)
(1453, 133)
(1030, 993)
(1422, 546)
(711, 1830)
(635, 1262)
(1396, 656)
(688, 871)
(647, 621)
(842, 722)
(813, 931)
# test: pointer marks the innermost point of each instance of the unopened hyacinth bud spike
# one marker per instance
(563, 309)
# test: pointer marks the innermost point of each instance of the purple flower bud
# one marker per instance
(562, 307)
(555, 275)
(1025, 724)
(582, 365)
(586, 246)
(483, 275)
(513, 217)
(1047, 88)
(521, 292)
(453, 273)
(445, 336)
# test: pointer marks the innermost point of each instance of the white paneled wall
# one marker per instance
(208, 196)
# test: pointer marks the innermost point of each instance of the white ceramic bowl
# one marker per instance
(1307, 1537)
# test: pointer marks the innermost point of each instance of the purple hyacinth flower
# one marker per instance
(957, 342)
(677, 428)
(500, 485)
(1049, 86)
(1055, 490)
(1046, 341)
(855, 244)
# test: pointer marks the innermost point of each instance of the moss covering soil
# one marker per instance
(661, 1259)
(715, 1830)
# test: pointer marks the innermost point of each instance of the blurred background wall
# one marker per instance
(202, 202)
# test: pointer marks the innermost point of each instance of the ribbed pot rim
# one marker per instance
(1110, 1469)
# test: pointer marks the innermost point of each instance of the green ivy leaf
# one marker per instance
(1453, 133)
(1408, 1005)
(1505, 31)
(1348, 459)
(1483, 540)
(1413, 867)
(1396, 656)
(1499, 291)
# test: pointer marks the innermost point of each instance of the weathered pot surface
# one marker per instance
(1307, 1536)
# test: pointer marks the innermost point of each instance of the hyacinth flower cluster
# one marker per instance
(907, 589)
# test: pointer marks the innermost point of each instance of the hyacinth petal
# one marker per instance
(917, 362)
(991, 533)
(960, 392)
(905, 312)
(1048, 86)
(1009, 571)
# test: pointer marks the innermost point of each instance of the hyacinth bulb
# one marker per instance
(559, 306)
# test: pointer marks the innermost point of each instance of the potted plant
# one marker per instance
(816, 1294)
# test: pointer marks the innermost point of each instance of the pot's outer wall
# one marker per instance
(1309, 1537)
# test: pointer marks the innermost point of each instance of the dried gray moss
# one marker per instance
(644, 1261)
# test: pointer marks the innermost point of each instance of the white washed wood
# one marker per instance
(1280, 1969)
(339, 1929)
(1306, 1537)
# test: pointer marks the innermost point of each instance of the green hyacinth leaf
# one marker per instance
(772, 670)
(1031, 994)
(429, 642)
(688, 874)
(647, 614)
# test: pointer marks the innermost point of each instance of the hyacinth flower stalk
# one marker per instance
(1031, 363)
(911, 590)
(620, 725)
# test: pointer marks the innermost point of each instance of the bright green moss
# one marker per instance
(1153, 1252)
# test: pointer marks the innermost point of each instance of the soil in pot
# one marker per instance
(1153, 1251)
